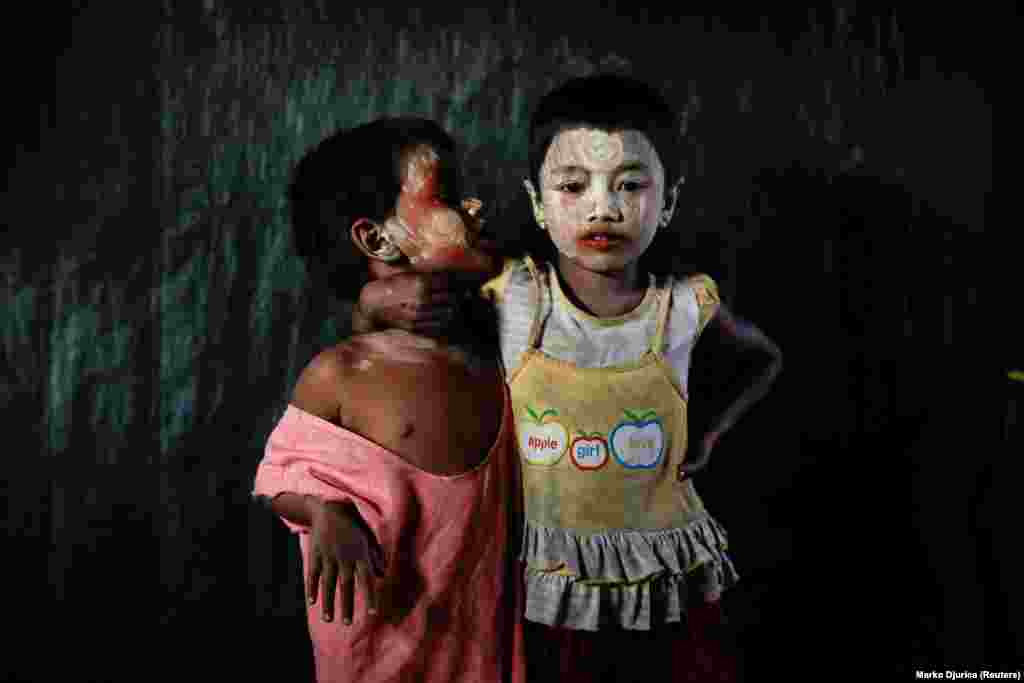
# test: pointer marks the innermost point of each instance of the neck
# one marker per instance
(473, 332)
(605, 295)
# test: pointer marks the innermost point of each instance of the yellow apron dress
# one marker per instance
(611, 534)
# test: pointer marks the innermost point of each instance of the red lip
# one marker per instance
(601, 241)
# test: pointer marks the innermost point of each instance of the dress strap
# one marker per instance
(534, 339)
(664, 303)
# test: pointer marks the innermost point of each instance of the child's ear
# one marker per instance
(671, 197)
(538, 206)
(373, 240)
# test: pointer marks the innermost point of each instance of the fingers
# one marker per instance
(346, 576)
(346, 580)
(330, 578)
(688, 469)
(351, 577)
(427, 311)
(424, 303)
(408, 291)
(366, 586)
(430, 329)
(342, 575)
(412, 317)
(429, 300)
(313, 580)
(421, 321)
(427, 288)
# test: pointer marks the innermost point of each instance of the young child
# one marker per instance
(395, 461)
(624, 564)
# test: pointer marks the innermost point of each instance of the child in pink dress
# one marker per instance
(395, 461)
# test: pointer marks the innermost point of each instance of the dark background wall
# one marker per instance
(154, 315)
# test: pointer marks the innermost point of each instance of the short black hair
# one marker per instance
(608, 102)
(355, 173)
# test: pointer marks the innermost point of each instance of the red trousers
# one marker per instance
(673, 652)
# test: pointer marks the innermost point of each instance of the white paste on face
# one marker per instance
(419, 163)
(596, 156)
(447, 227)
(602, 149)
(535, 203)
(425, 227)
(399, 232)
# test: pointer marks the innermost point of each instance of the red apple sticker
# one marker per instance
(589, 451)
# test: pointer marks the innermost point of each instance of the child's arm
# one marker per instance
(423, 303)
(748, 338)
(342, 548)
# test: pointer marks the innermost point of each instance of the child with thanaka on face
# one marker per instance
(395, 460)
(624, 565)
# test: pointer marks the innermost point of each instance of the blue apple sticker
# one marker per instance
(639, 442)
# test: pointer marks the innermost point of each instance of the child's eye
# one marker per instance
(572, 188)
(632, 186)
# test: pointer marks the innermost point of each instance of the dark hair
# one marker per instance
(609, 102)
(354, 174)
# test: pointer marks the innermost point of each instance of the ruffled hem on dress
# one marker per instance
(564, 602)
(626, 579)
(625, 556)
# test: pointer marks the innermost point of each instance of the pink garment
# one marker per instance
(455, 607)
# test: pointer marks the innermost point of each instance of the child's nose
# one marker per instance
(605, 207)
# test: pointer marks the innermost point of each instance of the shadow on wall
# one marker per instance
(851, 275)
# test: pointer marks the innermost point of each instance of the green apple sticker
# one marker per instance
(588, 451)
(639, 441)
(542, 443)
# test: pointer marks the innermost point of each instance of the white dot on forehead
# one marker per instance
(602, 147)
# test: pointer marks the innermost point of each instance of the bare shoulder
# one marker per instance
(318, 388)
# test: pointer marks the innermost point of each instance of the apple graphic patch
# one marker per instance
(639, 441)
(542, 443)
(588, 451)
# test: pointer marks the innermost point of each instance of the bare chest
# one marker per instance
(430, 408)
